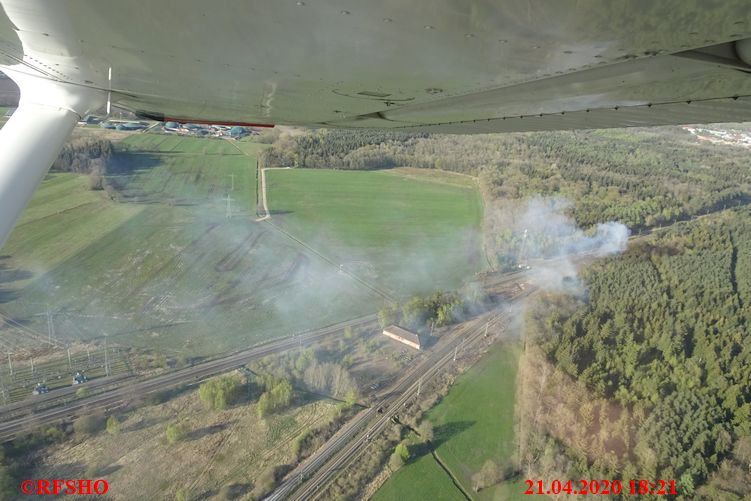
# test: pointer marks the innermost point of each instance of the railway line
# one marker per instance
(307, 481)
(114, 391)
(64, 409)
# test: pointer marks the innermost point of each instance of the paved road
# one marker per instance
(189, 375)
(308, 479)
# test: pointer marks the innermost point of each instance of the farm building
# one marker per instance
(403, 336)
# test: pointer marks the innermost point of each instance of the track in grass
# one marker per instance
(473, 423)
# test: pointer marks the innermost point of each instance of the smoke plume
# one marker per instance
(554, 243)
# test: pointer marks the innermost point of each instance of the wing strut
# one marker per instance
(33, 137)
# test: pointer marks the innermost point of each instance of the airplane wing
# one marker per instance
(455, 66)
(444, 65)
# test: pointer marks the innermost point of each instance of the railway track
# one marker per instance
(9, 428)
(309, 479)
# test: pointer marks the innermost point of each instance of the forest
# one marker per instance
(660, 352)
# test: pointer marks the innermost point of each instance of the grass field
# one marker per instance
(232, 446)
(188, 171)
(404, 232)
(474, 423)
(161, 266)
(158, 264)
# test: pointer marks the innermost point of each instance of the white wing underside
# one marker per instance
(434, 65)
(431, 65)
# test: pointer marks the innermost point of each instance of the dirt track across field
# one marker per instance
(264, 202)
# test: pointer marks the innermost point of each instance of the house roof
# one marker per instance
(402, 333)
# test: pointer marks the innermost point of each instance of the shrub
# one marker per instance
(220, 393)
(265, 483)
(396, 461)
(175, 432)
(113, 425)
(426, 430)
(402, 451)
(88, 425)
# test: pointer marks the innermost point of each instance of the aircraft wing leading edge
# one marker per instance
(455, 66)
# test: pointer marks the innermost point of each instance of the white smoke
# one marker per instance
(554, 243)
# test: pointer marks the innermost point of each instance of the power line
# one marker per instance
(13, 323)
(50, 325)
(229, 206)
(521, 259)
(106, 358)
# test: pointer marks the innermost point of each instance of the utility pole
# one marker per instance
(486, 328)
(88, 355)
(32, 366)
(70, 364)
(106, 358)
(456, 350)
(521, 261)
(50, 326)
(419, 386)
(10, 364)
(229, 207)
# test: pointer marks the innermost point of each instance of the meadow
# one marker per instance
(472, 424)
(161, 266)
(407, 233)
(231, 447)
(155, 262)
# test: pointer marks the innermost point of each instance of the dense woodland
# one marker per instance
(661, 343)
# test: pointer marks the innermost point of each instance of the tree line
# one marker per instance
(641, 177)
(85, 155)
(662, 342)
(422, 313)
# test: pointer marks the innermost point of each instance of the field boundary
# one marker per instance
(264, 199)
(448, 472)
(423, 174)
(59, 212)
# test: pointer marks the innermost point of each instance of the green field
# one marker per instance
(188, 171)
(161, 266)
(407, 234)
(156, 262)
(474, 423)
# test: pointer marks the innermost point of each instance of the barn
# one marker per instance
(403, 336)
